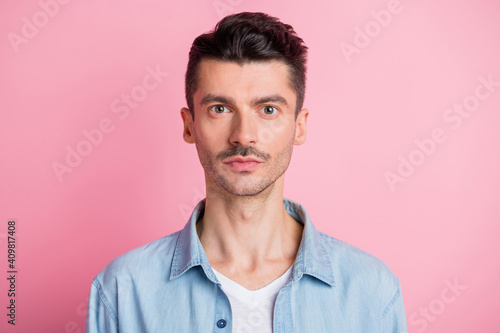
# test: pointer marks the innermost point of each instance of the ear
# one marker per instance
(187, 118)
(301, 127)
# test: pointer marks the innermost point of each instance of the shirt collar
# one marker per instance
(312, 257)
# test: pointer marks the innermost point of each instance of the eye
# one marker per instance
(218, 109)
(269, 110)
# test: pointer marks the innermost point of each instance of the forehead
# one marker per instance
(244, 81)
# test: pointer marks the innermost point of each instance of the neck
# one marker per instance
(249, 232)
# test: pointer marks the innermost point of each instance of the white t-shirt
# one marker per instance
(252, 310)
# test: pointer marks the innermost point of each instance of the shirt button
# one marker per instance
(221, 323)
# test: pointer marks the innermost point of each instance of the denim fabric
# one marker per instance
(169, 286)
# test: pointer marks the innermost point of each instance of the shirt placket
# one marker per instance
(282, 318)
(223, 318)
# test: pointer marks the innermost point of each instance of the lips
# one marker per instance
(240, 159)
(242, 163)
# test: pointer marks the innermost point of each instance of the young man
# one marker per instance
(248, 260)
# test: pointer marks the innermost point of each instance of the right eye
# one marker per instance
(219, 109)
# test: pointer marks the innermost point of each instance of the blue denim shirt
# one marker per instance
(168, 285)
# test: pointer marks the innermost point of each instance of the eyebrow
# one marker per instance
(275, 98)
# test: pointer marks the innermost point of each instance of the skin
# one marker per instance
(246, 232)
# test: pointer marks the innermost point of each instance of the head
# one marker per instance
(249, 37)
(245, 86)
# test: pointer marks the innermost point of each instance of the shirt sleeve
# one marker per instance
(101, 318)
(394, 316)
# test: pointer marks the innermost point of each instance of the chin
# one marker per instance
(244, 191)
(245, 194)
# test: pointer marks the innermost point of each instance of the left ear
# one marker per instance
(301, 127)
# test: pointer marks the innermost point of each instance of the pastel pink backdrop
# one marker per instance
(370, 97)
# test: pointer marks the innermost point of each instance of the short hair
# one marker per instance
(249, 37)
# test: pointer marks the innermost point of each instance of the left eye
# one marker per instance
(269, 110)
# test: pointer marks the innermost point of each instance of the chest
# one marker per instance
(254, 279)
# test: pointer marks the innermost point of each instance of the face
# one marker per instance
(245, 125)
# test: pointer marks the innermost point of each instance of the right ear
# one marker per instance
(187, 118)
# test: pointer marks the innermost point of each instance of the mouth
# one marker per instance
(242, 163)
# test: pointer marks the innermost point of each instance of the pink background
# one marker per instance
(140, 181)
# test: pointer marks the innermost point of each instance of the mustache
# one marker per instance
(243, 151)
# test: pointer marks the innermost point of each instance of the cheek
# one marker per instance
(279, 133)
(208, 138)
(200, 133)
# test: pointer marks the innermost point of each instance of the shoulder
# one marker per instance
(367, 282)
(354, 266)
(128, 275)
(147, 259)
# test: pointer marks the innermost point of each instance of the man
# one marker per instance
(248, 260)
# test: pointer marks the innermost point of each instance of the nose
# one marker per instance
(244, 130)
